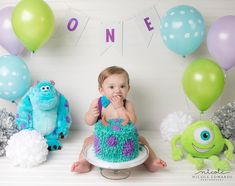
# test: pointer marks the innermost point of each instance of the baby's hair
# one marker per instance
(111, 71)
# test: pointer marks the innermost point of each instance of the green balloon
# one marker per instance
(33, 23)
(203, 83)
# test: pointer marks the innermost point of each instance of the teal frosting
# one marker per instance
(115, 142)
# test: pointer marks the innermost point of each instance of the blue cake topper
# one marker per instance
(105, 101)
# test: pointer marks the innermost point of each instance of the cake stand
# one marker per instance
(115, 170)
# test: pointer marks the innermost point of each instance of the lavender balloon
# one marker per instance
(221, 41)
(8, 38)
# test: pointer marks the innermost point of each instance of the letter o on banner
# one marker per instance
(72, 24)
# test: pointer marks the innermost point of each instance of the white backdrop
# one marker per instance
(155, 71)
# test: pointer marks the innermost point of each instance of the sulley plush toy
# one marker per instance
(46, 110)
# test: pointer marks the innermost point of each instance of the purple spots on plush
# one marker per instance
(96, 145)
(66, 104)
(22, 126)
(17, 116)
(67, 119)
(54, 133)
(116, 127)
(128, 148)
(29, 117)
(111, 141)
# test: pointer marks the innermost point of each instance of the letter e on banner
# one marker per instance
(148, 21)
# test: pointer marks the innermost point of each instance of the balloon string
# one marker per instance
(201, 114)
(225, 76)
(187, 104)
(219, 101)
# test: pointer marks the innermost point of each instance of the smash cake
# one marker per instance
(115, 142)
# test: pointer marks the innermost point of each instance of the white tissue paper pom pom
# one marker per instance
(174, 124)
(27, 148)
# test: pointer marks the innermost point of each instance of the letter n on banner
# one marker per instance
(148, 22)
(111, 36)
(71, 27)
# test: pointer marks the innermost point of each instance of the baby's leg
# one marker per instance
(82, 165)
(153, 162)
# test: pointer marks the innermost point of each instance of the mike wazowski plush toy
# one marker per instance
(45, 110)
(202, 140)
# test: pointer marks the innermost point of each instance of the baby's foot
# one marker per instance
(154, 165)
(81, 167)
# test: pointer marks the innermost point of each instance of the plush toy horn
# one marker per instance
(52, 82)
(35, 83)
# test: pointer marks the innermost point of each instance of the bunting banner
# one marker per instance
(148, 23)
(71, 23)
(70, 28)
(111, 35)
(74, 22)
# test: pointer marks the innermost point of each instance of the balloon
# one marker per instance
(33, 23)
(182, 29)
(8, 38)
(14, 77)
(203, 82)
(221, 41)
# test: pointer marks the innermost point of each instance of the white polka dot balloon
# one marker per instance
(182, 29)
(14, 77)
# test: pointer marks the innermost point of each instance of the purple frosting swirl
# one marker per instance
(96, 145)
(128, 148)
(116, 120)
(111, 141)
(116, 127)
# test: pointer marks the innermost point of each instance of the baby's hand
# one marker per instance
(117, 102)
(94, 111)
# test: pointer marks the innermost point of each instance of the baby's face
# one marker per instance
(115, 85)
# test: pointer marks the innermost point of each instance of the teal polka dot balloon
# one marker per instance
(15, 78)
(182, 29)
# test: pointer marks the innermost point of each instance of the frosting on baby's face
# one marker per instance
(115, 85)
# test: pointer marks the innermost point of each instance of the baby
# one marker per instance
(114, 84)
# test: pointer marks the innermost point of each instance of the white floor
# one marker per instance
(56, 171)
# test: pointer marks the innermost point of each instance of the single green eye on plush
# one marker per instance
(203, 135)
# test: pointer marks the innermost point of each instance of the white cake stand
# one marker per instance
(115, 171)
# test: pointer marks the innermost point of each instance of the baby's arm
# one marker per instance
(93, 113)
(127, 111)
(131, 111)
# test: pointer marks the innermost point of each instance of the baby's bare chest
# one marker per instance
(109, 113)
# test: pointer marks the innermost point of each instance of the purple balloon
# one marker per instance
(8, 38)
(221, 41)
